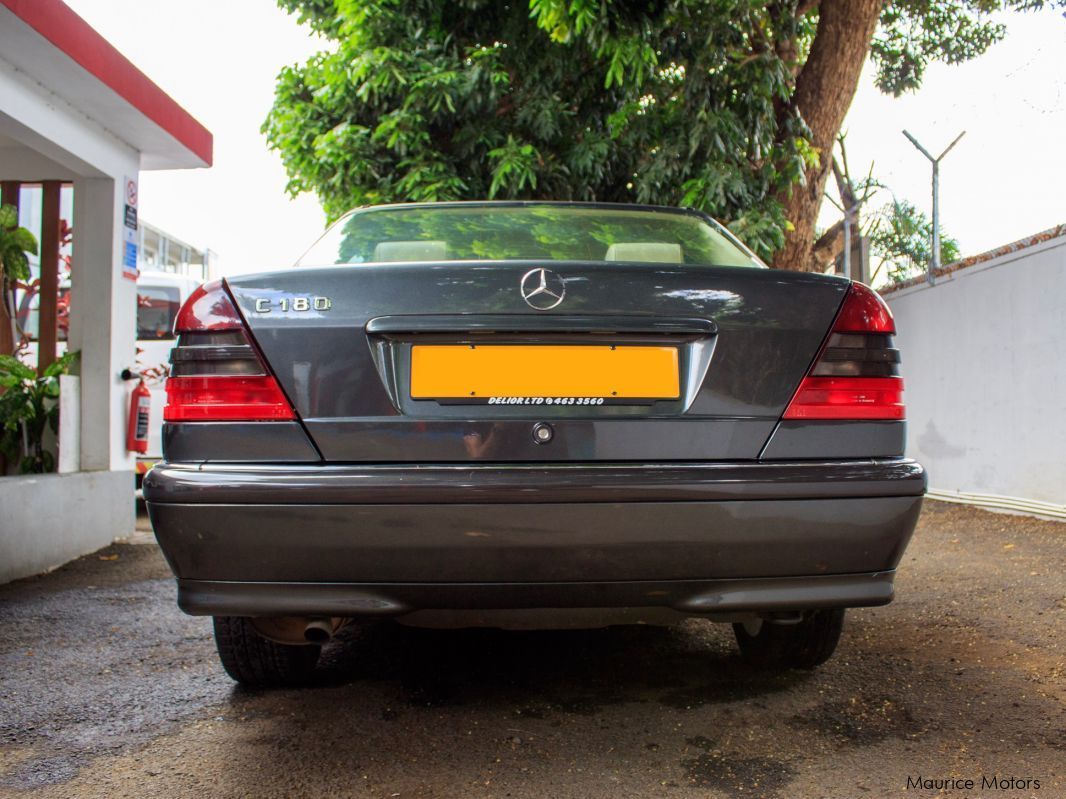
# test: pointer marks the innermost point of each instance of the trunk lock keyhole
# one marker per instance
(543, 433)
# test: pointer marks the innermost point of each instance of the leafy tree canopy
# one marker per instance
(683, 102)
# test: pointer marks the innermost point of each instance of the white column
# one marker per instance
(103, 311)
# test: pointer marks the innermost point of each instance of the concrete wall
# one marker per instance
(50, 519)
(984, 364)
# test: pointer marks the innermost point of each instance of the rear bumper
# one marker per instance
(388, 540)
(701, 597)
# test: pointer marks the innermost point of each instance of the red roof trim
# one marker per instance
(58, 23)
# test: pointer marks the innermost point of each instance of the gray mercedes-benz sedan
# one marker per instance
(528, 414)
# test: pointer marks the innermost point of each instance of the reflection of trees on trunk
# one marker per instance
(748, 364)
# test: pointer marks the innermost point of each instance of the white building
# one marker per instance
(74, 111)
(162, 252)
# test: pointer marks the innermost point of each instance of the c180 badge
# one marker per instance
(286, 304)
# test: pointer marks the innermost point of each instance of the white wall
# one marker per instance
(984, 367)
(49, 519)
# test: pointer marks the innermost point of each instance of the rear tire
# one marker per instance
(256, 662)
(794, 646)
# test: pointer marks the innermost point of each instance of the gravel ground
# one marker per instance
(106, 690)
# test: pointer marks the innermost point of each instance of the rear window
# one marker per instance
(157, 307)
(526, 232)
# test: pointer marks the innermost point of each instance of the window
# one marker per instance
(527, 231)
(157, 307)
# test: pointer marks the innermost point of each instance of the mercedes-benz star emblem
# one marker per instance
(542, 289)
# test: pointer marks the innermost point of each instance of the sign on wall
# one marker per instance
(129, 231)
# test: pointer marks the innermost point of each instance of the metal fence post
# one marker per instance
(934, 265)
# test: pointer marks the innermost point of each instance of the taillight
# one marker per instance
(856, 375)
(216, 372)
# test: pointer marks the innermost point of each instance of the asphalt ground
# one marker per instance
(107, 690)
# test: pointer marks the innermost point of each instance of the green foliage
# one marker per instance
(28, 408)
(673, 102)
(15, 243)
(902, 238)
(434, 100)
(914, 33)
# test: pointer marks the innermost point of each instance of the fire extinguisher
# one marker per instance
(140, 419)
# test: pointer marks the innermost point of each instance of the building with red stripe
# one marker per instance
(74, 111)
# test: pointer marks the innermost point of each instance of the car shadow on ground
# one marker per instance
(576, 671)
(440, 712)
(451, 707)
(690, 664)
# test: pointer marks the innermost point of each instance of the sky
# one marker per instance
(1003, 180)
(219, 59)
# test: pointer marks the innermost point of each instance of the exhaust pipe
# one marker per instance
(298, 630)
(318, 631)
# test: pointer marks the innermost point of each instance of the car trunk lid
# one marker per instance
(350, 346)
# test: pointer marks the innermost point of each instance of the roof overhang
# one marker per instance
(51, 44)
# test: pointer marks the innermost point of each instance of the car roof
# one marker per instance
(607, 206)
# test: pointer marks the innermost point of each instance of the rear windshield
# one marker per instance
(528, 232)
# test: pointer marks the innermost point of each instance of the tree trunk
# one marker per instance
(824, 90)
(829, 245)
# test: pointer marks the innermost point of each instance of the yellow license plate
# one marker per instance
(498, 371)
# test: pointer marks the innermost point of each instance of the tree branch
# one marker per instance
(844, 185)
(829, 245)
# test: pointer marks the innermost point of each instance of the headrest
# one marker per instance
(659, 252)
(411, 251)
